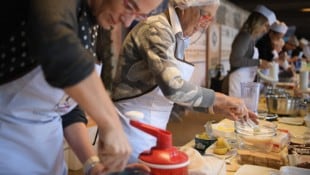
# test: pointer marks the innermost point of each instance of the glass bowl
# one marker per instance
(258, 138)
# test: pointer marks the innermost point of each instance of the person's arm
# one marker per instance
(77, 137)
(240, 56)
(157, 48)
(76, 134)
(92, 97)
(55, 43)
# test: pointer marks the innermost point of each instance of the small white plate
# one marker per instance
(291, 120)
(229, 154)
(256, 170)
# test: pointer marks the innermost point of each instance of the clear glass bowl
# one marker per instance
(258, 138)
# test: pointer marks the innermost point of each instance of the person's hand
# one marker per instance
(232, 108)
(265, 64)
(113, 149)
(252, 116)
(98, 169)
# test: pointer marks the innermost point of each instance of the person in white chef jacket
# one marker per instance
(153, 74)
(244, 58)
(48, 55)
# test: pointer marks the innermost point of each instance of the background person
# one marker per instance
(48, 53)
(265, 44)
(269, 47)
(152, 74)
(244, 57)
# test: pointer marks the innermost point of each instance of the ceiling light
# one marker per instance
(305, 10)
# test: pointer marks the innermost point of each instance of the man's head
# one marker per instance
(278, 44)
(277, 30)
(111, 12)
(195, 14)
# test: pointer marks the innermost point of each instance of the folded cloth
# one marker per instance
(203, 165)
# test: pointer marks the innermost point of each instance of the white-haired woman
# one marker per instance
(152, 73)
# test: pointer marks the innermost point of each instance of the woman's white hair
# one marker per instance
(191, 3)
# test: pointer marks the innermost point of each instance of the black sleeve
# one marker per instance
(10, 22)
(74, 116)
(265, 48)
(55, 43)
(296, 51)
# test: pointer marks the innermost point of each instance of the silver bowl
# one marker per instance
(283, 105)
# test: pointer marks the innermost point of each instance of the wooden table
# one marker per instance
(296, 131)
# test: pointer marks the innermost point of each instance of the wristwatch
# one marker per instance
(90, 163)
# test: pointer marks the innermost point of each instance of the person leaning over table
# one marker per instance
(48, 66)
(244, 57)
(265, 44)
(290, 49)
(152, 73)
(268, 46)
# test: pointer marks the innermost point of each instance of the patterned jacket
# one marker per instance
(148, 60)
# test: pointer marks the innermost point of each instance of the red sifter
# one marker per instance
(163, 159)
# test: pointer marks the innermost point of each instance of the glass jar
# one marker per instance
(258, 138)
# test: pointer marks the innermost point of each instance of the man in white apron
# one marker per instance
(47, 55)
(152, 73)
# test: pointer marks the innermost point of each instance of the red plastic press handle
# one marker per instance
(164, 138)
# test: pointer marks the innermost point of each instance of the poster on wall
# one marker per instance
(196, 52)
(228, 35)
(213, 46)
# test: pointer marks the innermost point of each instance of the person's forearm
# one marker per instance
(80, 145)
(93, 98)
(220, 99)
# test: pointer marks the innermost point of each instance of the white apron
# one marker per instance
(244, 74)
(156, 109)
(31, 133)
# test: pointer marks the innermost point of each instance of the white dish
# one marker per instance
(229, 154)
(226, 130)
(256, 170)
(291, 120)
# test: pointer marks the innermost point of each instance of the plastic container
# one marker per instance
(250, 95)
(163, 159)
(202, 143)
(257, 139)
